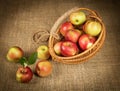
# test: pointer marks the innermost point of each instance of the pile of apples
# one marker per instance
(78, 34)
(24, 73)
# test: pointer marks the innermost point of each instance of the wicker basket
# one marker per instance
(55, 37)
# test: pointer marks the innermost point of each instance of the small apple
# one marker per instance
(69, 48)
(66, 26)
(77, 18)
(92, 28)
(14, 54)
(43, 68)
(57, 48)
(73, 35)
(43, 52)
(86, 41)
(24, 74)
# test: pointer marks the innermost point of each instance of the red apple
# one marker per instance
(65, 27)
(14, 54)
(43, 68)
(43, 52)
(24, 74)
(57, 48)
(86, 41)
(69, 48)
(92, 28)
(73, 35)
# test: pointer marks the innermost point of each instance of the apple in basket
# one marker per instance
(69, 48)
(57, 48)
(24, 74)
(43, 52)
(14, 54)
(92, 28)
(43, 68)
(86, 41)
(77, 18)
(65, 27)
(73, 35)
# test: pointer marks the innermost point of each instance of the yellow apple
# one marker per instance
(92, 28)
(43, 52)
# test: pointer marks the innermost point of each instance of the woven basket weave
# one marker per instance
(55, 37)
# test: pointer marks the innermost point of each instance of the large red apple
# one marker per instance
(73, 35)
(86, 41)
(57, 48)
(43, 68)
(24, 74)
(14, 54)
(65, 27)
(92, 28)
(69, 48)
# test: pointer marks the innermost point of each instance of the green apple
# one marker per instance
(43, 52)
(92, 28)
(77, 18)
(14, 54)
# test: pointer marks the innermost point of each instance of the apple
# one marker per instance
(69, 48)
(66, 26)
(77, 18)
(73, 35)
(24, 74)
(86, 41)
(43, 68)
(57, 48)
(43, 52)
(92, 28)
(14, 54)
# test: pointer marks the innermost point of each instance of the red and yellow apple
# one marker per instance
(57, 48)
(73, 35)
(43, 68)
(69, 48)
(24, 74)
(43, 52)
(86, 41)
(77, 18)
(92, 28)
(14, 54)
(66, 26)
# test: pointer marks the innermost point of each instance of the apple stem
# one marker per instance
(25, 64)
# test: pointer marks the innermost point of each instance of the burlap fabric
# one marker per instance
(20, 19)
